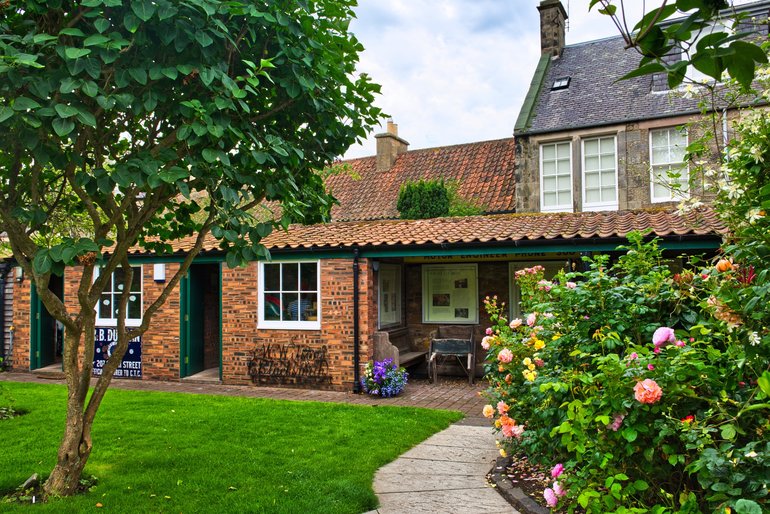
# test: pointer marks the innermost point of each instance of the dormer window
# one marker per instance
(560, 83)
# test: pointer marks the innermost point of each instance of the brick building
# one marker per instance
(334, 295)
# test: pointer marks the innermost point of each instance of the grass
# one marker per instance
(173, 452)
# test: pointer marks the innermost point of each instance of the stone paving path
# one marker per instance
(444, 474)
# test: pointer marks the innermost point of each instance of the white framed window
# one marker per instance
(289, 295)
(669, 175)
(600, 174)
(450, 293)
(389, 286)
(109, 300)
(556, 177)
(714, 27)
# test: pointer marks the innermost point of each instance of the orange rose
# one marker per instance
(724, 265)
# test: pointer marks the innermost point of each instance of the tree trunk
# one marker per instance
(74, 450)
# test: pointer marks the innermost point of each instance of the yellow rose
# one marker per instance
(488, 411)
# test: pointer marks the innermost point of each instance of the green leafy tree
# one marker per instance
(122, 112)
(711, 49)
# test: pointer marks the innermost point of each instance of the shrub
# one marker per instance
(423, 199)
(646, 385)
(383, 378)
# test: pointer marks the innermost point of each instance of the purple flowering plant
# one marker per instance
(383, 378)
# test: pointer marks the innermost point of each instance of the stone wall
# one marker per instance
(633, 154)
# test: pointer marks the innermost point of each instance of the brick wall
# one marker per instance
(241, 335)
(21, 333)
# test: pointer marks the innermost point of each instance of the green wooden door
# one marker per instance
(42, 334)
(191, 329)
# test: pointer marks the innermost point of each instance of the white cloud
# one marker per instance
(456, 71)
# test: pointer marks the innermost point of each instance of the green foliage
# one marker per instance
(169, 452)
(423, 199)
(644, 417)
(459, 205)
(709, 48)
(119, 110)
(433, 199)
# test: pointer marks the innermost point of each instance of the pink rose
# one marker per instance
(531, 319)
(510, 430)
(485, 342)
(558, 489)
(617, 420)
(515, 324)
(557, 470)
(505, 356)
(680, 343)
(571, 285)
(663, 336)
(650, 367)
(502, 407)
(489, 331)
(647, 391)
(550, 497)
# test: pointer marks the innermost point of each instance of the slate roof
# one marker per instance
(489, 229)
(594, 98)
(483, 170)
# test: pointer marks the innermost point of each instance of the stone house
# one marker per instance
(335, 295)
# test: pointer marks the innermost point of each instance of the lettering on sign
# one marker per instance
(290, 364)
(105, 341)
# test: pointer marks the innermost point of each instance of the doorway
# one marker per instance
(46, 334)
(200, 331)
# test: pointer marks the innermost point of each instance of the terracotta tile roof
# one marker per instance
(495, 229)
(501, 228)
(484, 171)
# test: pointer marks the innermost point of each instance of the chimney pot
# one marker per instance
(553, 19)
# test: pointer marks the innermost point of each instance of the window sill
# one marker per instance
(288, 325)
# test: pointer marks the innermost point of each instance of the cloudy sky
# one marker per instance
(457, 71)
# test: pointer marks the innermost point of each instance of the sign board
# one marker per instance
(492, 257)
(104, 343)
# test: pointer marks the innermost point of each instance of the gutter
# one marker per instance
(356, 336)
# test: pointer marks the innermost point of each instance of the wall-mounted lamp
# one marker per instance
(19, 273)
(376, 265)
(159, 272)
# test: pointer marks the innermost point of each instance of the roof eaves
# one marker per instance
(532, 95)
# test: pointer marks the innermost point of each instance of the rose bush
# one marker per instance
(651, 398)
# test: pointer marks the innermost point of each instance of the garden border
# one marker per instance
(513, 495)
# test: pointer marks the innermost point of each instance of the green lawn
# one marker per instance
(165, 452)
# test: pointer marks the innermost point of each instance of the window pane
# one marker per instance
(591, 146)
(608, 179)
(659, 138)
(272, 277)
(135, 306)
(549, 199)
(309, 276)
(660, 155)
(608, 162)
(563, 150)
(608, 145)
(564, 167)
(308, 310)
(549, 168)
(593, 196)
(549, 152)
(272, 308)
(549, 183)
(565, 184)
(291, 306)
(608, 194)
(592, 180)
(592, 163)
(290, 280)
(105, 309)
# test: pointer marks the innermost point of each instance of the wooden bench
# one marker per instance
(450, 342)
(397, 345)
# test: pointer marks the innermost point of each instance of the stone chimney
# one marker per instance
(389, 147)
(553, 19)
